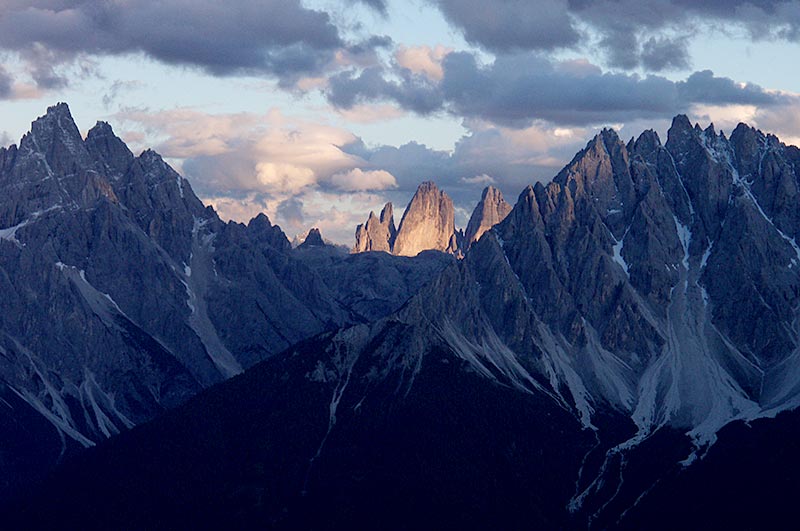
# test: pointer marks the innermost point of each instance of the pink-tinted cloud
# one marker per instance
(423, 60)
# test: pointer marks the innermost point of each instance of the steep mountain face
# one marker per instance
(490, 210)
(594, 344)
(428, 223)
(124, 295)
(377, 234)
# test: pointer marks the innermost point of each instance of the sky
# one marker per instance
(317, 111)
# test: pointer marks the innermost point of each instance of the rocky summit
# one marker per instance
(490, 210)
(428, 223)
(377, 234)
(313, 239)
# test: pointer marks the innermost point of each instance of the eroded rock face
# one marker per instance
(428, 222)
(377, 234)
(491, 210)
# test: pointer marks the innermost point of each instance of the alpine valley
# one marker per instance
(620, 349)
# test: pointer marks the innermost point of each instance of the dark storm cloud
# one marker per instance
(704, 87)
(276, 37)
(631, 33)
(517, 89)
(507, 25)
(412, 92)
(663, 53)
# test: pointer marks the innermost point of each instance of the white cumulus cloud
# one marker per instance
(358, 180)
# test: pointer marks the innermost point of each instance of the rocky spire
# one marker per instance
(313, 239)
(261, 230)
(377, 234)
(428, 222)
(56, 137)
(106, 147)
(491, 210)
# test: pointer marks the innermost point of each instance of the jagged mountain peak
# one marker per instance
(490, 210)
(387, 213)
(58, 112)
(313, 239)
(56, 121)
(151, 156)
(681, 128)
(646, 143)
(428, 222)
(260, 229)
(101, 127)
(610, 138)
(109, 149)
(427, 187)
(56, 136)
(377, 234)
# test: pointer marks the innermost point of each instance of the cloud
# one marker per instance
(280, 38)
(423, 60)
(371, 113)
(507, 157)
(513, 25)
(704, 87)
(12, 89)
(358, 180)
(411, 91)
(665, 53)
(479, 179)
(242, 153)
(378, 5)
(290, 211)
(649, 34)
(516, 90)
(118, 88)
(282, 177)
(5, 84)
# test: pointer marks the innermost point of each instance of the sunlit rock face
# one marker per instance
(491, 210)
(377, 234)
(428, 223)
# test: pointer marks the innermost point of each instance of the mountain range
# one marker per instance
(125, 295)
(601, 355)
